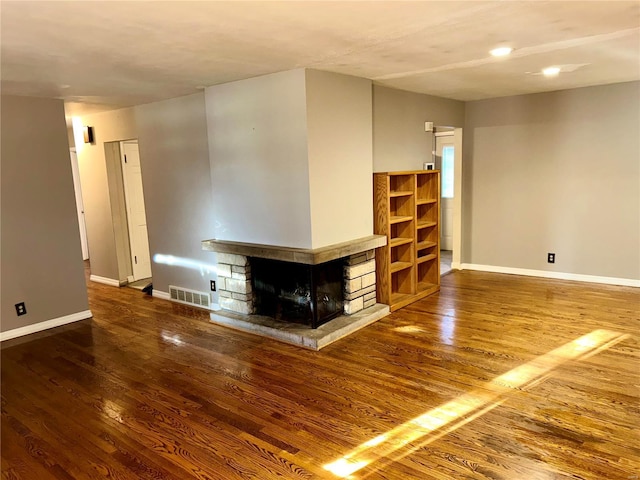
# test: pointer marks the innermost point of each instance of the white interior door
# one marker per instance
(136, 215)
(445, 163)
(79, 204)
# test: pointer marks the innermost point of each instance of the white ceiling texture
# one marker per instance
(99, 55)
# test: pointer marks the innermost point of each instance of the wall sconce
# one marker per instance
(88, 134)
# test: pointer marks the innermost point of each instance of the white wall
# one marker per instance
(339, 117)
(555, 172)
(174, 156)
(41, 254)
(258, 154)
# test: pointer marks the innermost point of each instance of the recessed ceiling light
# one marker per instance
(551, 71)
(501, 51)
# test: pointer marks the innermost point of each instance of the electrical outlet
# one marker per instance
(21, 309)
(551, 257)
(213, 285)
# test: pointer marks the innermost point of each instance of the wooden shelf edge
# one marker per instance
(426, 258)
(425, 245)
(426, 289)
(399, 300)
(399, 219)
(426, 224)
(396, 173)
(401, 193)
(396, 242)
(398, 266)
(426, 201)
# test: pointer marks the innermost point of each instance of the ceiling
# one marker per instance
(110, 54)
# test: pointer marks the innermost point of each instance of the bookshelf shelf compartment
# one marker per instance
(426, 244)
(399, 219)
(397, 241)
(427, 224)
(426, 258)
(397, 266)
(402, 193)
(407, 211)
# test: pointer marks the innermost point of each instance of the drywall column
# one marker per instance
(259, 167)
(41, 254)
(339, 137)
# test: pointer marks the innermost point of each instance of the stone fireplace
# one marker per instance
(297, 285)
(291, 157)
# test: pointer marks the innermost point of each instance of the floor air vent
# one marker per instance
(190, 297)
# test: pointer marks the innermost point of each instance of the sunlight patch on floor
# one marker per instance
(399, 442)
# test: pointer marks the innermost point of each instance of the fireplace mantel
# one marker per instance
(297, 255)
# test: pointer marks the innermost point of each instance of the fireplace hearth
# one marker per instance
(286, 305)
(305, 288)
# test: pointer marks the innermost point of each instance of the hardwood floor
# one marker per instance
(149, 389)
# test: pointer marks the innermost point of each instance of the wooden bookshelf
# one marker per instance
(407, 211)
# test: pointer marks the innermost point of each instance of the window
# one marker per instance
(447, 171)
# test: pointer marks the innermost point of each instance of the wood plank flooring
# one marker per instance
(151, 390)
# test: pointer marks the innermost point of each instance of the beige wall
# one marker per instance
(399, 139)
(41, 255)
(258, 153)
(555, 172)
(107, 127)
(174, 156)
(339, 136)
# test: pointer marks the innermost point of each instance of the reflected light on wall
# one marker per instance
(78, 133)
(203, 268)
(446, 418)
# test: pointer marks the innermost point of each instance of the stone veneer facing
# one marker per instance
(236, 294)
(234, 283)
(359, 282)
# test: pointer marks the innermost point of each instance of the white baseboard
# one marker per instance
(38, 327)
(456, 266)
(162, 295)
(625, 282)
(107, 281)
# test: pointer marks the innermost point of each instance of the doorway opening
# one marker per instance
(128, 214)
(77, 187)
(448, 159)
(139, 256)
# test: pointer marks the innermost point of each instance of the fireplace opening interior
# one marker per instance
(300, 293)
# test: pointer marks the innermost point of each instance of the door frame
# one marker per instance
(440, 135)
(77, 188)
(130, 228)
(456, 263)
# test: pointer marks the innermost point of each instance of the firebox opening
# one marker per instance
(300, 293)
